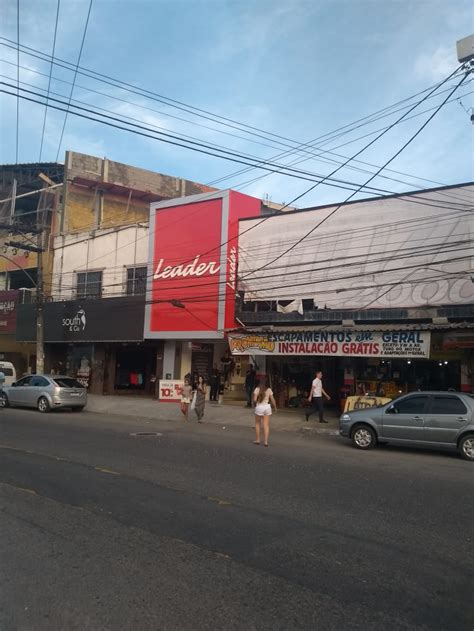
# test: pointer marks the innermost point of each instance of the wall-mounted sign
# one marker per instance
(193, 261)
(101, 320)
(8, 311)
(409, 344)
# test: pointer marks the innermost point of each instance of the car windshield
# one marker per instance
(67, 382)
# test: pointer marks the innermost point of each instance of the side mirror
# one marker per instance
(14, 384)
(392, 410)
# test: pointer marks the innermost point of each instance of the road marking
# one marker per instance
(58, 458)
(219, 501)
(30, 491)
(107, 471)
(34, 453)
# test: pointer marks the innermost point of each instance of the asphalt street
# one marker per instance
(197, 528)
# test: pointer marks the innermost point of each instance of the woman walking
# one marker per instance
(186, 398)
(264, 400)
(201, 390)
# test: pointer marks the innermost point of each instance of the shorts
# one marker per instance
(185, 400)
(263, 409)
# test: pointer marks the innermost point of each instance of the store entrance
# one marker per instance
(291, 377)
(133, 370)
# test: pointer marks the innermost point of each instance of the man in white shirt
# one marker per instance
(316, 397)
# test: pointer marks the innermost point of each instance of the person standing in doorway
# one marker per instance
(250, 377)
(316, 397)
(263, 399)
(201, 390)
(215, 382)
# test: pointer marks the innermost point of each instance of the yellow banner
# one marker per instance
(363, 403)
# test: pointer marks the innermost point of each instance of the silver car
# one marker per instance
(433, 419)
(45, 392)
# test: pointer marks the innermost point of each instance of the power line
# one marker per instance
(284, 154)
(332, 213)
(303, 144)
(341, 263)
(149, 94)
(212, 145)
(17, 79)
(226, 154)
(74, 78)
(49, 80)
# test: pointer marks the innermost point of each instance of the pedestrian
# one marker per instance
(250, 384)
(186, 398)
(215, 383)
(201, 390)
(316, 397)
(264, 400)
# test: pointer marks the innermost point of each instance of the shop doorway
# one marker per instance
(201, 359)
(133, 369)
(291, 377)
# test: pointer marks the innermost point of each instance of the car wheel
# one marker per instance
(43, 405)
(466, 447)
(363, 437)
(3, 400)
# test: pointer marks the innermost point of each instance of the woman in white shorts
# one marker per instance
(263, 400)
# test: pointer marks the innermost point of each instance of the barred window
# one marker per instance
(89, 284)
(136, 281)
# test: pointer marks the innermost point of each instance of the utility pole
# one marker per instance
(41, 226)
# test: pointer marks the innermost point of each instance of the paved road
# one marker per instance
(199, 529)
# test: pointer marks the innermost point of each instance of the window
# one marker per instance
(24, 382)
(410, 405)
(89, 284)
(8, 372)
(136, 281)
(447, 405)
(39, 382)
(67, 382)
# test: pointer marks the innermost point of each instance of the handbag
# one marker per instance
(193, 402)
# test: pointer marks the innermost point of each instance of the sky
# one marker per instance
(293, 70)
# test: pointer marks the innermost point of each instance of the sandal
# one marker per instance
(265, 445)
(256, 442)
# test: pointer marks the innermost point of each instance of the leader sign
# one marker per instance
(409, 344)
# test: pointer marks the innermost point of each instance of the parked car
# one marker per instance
(9, 371)
(45, 392)
(433, 419)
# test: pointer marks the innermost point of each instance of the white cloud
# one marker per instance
(436, 65)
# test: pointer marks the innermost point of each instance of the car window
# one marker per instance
(445, 404)
(24, 382)
(39, 382)
(8, 372)
(411, 405)
(67, 382)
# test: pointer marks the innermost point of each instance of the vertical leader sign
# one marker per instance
(192, 267)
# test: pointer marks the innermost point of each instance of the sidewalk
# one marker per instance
(224, 415)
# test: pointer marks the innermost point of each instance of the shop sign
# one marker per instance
(193, 263)
(100, 320)
(458, 339)
(409, 344)
(77, 322)
(363, 403)
(170, 390)
(8, 310)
